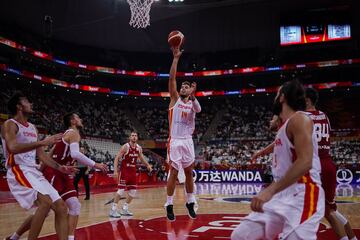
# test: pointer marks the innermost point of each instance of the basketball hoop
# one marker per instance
(140, 13)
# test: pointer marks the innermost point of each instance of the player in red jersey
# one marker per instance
(65, 153)
(129, 154)
(338, 222)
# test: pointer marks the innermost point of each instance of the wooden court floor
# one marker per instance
(221, 208)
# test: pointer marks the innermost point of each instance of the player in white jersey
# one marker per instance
(182, 110)
(26, 182)
(293, 205)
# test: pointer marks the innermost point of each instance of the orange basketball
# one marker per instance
(175, 39)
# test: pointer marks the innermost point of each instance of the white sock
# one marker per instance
(344, 238)
(125, 206)
(113, 206)
(190, 198)
(169, 200)
(14, 236)
(71, 237)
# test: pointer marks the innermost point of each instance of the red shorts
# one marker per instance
(328, 179)
(127, 179)
(61, 182)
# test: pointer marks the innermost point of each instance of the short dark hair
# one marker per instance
(14, 101)
(67, 119)
(133, 131)
(312, 94)
(294, 94)
(186, 83)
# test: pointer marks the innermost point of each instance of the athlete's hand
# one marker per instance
(72, 170)
(176, 52)
(116, 175)
(149, 168)
(258, 201)
(101, 166)
(254, 157)
(52, 139)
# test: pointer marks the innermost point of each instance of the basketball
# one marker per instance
(175, 39)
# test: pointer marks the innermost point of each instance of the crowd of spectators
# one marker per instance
(233, 154)
(346, 152)
(237, 154)
(240, 132)
(105, 119)
(244, 121)
(155, 121)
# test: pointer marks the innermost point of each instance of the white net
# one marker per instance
(140, 13)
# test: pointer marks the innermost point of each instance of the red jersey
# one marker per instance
(130, 158)
(61, 181)
(322, 131)
(61, 153)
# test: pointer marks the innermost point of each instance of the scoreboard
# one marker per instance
(303, 34)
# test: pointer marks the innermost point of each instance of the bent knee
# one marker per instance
(59, 206)
(44, 202)
(247, 231)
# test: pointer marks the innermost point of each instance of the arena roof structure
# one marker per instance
(209, 25)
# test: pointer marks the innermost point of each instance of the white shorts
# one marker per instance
(26, 182)
(181, 152)
(296, 211)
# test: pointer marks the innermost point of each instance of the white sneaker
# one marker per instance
(126, 212)
(114, 214)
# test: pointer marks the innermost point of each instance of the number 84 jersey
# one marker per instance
(322, 131)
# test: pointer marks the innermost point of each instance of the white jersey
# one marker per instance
(25, 134)
(181, 120)
(284, 156)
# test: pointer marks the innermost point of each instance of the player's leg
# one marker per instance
(170, 189)
(130, 194)
(336, 224)
(248, 230)
(189, 183)
(328, 179)
(188, 166)
(65, 187)
(171, 183)
(43, 203)
(174, 156)
(189, 186)
(61, 219)
(349, 232)
(117, 196)
(114, 206)
(24, 227)
(74, 207)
